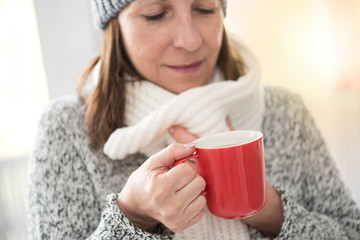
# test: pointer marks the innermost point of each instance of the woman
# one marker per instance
(103, 165)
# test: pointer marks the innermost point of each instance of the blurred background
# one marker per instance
(311, 47)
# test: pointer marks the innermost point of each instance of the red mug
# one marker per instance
(232, 164)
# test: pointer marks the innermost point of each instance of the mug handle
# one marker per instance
(195, 156)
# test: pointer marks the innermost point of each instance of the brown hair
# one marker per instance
(105, 106)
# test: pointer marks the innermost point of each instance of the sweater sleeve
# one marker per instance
(114, 225)
(326, 210)
(62, 203)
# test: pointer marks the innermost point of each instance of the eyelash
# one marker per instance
(206, 11)
(157, 17)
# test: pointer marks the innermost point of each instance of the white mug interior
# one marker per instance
(228, 139)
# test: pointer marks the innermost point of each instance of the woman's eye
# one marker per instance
(155, 17)
(206, 11)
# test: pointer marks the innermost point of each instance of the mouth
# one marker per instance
(186, 68)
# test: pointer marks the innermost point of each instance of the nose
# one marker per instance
(186, 34)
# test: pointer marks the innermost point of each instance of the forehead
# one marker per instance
(137, 6)
(141, 2)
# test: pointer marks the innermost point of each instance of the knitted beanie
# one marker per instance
(104, 10)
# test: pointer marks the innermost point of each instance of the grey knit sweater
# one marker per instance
(72, 186)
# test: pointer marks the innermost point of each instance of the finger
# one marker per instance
(229, 124)
(192, 221)
(181, 135)
(192, 190)
(197, 218)
(181, 175)
(167, 157)
(194, 209)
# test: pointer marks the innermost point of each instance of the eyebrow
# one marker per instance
(155, 1)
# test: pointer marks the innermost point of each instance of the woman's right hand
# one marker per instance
(158, 192)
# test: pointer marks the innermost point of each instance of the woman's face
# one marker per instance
(173, 43)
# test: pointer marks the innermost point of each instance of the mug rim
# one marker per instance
(254, 134)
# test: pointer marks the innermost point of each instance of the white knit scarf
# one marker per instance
(151, 110)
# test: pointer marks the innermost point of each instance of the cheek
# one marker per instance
(146, 52)
(142, 48)
(212, 34)
(218, 35)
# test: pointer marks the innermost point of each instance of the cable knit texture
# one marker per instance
(69, 181)
(151, 110)
(212, 227)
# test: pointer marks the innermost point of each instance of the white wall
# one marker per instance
(68, 40)
(32, 64)
(311, 47)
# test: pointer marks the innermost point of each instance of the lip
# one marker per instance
(186, 68)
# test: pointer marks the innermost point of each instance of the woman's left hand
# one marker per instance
(269, 219)
(182, 135)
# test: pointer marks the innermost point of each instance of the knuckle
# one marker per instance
(160, 194)
(148, 163)
(172, 147)
(157, 196)
(169, 214)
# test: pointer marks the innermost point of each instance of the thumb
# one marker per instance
(169, 155)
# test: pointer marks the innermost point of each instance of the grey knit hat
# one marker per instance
(104, 10)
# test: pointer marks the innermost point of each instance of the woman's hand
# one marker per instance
(182, 135)
(269, 219)
(158, 192)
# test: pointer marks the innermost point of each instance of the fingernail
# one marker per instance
(190, 145)
(171, 130)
